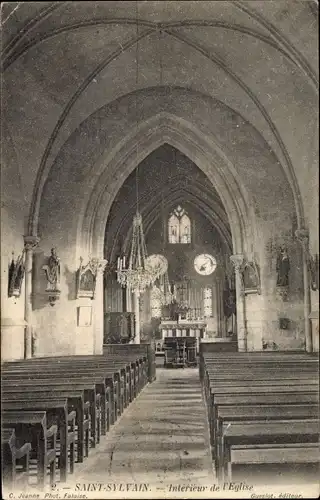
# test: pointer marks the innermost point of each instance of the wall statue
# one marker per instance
(52, 270)
(313, 267)
(16, 275)
(283, 267)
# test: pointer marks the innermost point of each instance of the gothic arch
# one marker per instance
(116, 165)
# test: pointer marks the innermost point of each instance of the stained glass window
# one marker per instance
(207, 302)
(179, 226)
(155, 303)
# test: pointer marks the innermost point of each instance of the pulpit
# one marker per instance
(118, 328)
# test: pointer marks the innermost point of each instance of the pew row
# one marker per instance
(268, 392)
(81, 397)
(12, 454)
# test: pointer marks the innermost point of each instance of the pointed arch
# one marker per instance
(204, 151)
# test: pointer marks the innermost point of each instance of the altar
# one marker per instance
(183, 328)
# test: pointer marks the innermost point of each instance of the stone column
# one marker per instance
(303, 237)
(128, 300)
(136, 300)
(237, 261)
(99, 309)
(30, 243)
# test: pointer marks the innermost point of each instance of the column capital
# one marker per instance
(30, 242)
(97, 265)
(237, 260)
(302, 236)
(101, 265)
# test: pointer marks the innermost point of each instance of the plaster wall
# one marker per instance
(13, 212)
(67, 106)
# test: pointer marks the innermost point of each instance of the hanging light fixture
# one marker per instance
(162, 288)
(137, 276)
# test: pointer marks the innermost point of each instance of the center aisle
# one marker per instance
(161, 439)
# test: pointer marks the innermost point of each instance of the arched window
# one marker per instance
(174, 229)
(155, 303)
(207, 302)
(179, 226)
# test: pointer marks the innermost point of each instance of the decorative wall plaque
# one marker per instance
(84, 316)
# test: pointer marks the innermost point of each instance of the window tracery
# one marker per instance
(179, 227)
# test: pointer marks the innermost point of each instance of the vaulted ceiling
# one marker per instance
(164, 179)
(64, 61)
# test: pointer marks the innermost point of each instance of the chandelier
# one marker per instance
(137, 276)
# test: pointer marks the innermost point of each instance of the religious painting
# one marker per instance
(251, 277)
(86, 280)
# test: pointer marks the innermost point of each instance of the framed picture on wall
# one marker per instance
(84, 316)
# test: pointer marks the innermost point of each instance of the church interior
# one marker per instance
(160, 248)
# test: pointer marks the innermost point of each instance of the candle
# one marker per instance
(124, 262)
(118, 265)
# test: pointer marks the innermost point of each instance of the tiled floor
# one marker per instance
(161, 439)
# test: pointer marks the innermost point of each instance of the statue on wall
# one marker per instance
(16, 275)
(52, 270)
(313, 268)
(283, 267)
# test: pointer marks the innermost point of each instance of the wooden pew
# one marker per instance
(281, 432)
(241, 358)
(87, 366)
(57, 413)
(214, 385)
(251, 413)
(50, 376)
(60, 376)
(262, 454)
(76, 401)
(243, 390)
(89, 388)
(11, 454)
(64, 361)
(112, 359)
(33, 424)
(262, 400)
(281, 379)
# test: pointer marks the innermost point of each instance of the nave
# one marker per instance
(112, 424)
(162, 439)
(159, 199)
